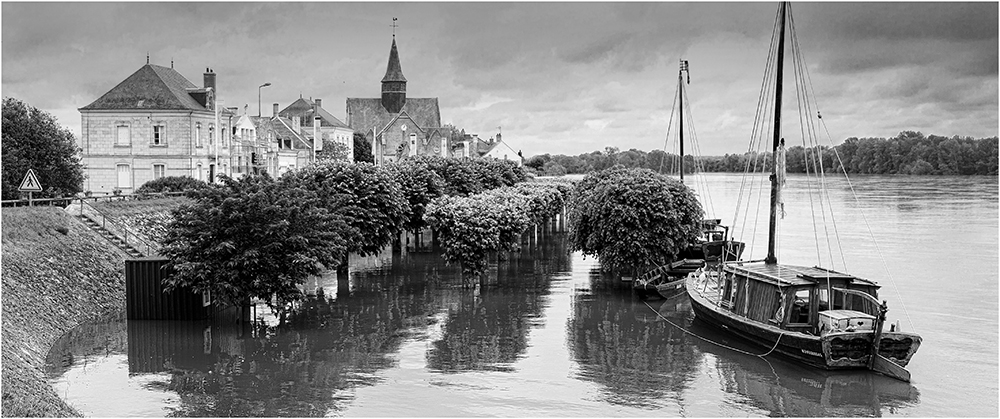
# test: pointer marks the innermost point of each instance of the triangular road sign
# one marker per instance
(30, 183)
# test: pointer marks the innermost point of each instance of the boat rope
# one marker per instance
(878, 249)
(666, 140)
(714, 342)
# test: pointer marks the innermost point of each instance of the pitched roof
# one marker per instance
(366, 113)
(393, 71)
(283, 129)
(303, 107)
(150, 87)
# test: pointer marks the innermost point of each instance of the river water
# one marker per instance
(548, 335)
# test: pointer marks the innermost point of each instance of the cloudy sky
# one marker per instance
(562, 78)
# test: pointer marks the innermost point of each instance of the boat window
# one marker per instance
(800, 307)
(824, 300)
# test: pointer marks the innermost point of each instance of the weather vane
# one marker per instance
(394, 25)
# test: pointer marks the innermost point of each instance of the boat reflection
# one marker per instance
(785, 388)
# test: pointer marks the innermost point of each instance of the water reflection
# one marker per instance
(620, 343)
(785, 388)
(487, 330)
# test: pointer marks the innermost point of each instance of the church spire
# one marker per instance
(393, 71)
(393, 84)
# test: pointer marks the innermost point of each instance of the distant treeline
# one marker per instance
(907, 153)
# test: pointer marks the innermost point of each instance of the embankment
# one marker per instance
(57, 274)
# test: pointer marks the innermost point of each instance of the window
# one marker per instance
(123, 134)
(211, 135)
(159, 134)
(413, 144)
(158, 170)
(198, 173)
(124, 176)
(800, 307)
(197, 135)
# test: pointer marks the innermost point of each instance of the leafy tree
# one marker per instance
(552, 168)
(419, 185)
(372, 202)
(253, 237)
(171, 184)
(632, 219)
(32, 139)
(333, 150)
(362, 149)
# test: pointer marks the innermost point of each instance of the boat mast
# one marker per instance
(680, 95)
(771, 258)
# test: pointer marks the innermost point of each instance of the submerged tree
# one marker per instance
(632, 219)
(371, 202)
(253, 237)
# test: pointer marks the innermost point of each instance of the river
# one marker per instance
(550, 336)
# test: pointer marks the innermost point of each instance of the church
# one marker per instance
(398, 126)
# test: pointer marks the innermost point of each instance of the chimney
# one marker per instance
(317, 136)
(296, 124)
(275, 112)
(210, 79)
(319, 103)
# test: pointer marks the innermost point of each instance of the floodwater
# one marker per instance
(548, 336)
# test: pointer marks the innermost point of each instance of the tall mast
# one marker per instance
(680, 95)
(771, 258)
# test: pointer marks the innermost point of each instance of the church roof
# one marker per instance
(393, 71)
(150, 87)
(366, 113)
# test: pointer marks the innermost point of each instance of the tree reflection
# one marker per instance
(620, 343)
(294, 369)
(488, 330)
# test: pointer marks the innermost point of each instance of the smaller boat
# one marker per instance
(666, 281)
(714, 245)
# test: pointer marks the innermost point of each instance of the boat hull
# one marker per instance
(833, 351)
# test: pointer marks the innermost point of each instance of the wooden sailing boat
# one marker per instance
(818, 316)
(712, 247)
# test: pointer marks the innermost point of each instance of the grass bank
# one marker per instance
(57, 274)
(148, 218)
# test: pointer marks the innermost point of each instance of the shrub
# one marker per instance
(171, 184)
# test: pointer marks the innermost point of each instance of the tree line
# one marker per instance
(909, 153)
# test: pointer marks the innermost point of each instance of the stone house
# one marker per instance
(316, 122)
(155, 123)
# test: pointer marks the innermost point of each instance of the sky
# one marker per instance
(560, 78)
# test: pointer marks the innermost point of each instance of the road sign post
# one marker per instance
(30, 184)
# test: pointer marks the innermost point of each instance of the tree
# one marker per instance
(551, 168)
(419, 185)
(632, 219)
(171, 184)
(362, 149)
(32, 139)
(370, 200)
(253, 237)
(333, 150)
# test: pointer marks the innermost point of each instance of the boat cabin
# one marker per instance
(797, 298)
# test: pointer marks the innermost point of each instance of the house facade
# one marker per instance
(316, 122)
(155, 123)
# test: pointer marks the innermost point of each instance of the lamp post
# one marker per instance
(258, 96)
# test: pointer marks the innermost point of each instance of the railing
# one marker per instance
(129, 236)
(66, 201)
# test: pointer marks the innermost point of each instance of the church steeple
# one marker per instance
(393, 84)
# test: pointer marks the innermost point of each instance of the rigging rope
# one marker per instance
(666, 140)
(714, 342)
(878, 249)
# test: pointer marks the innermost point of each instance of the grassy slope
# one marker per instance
(51, 283)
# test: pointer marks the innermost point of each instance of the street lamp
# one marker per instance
(258, 97)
